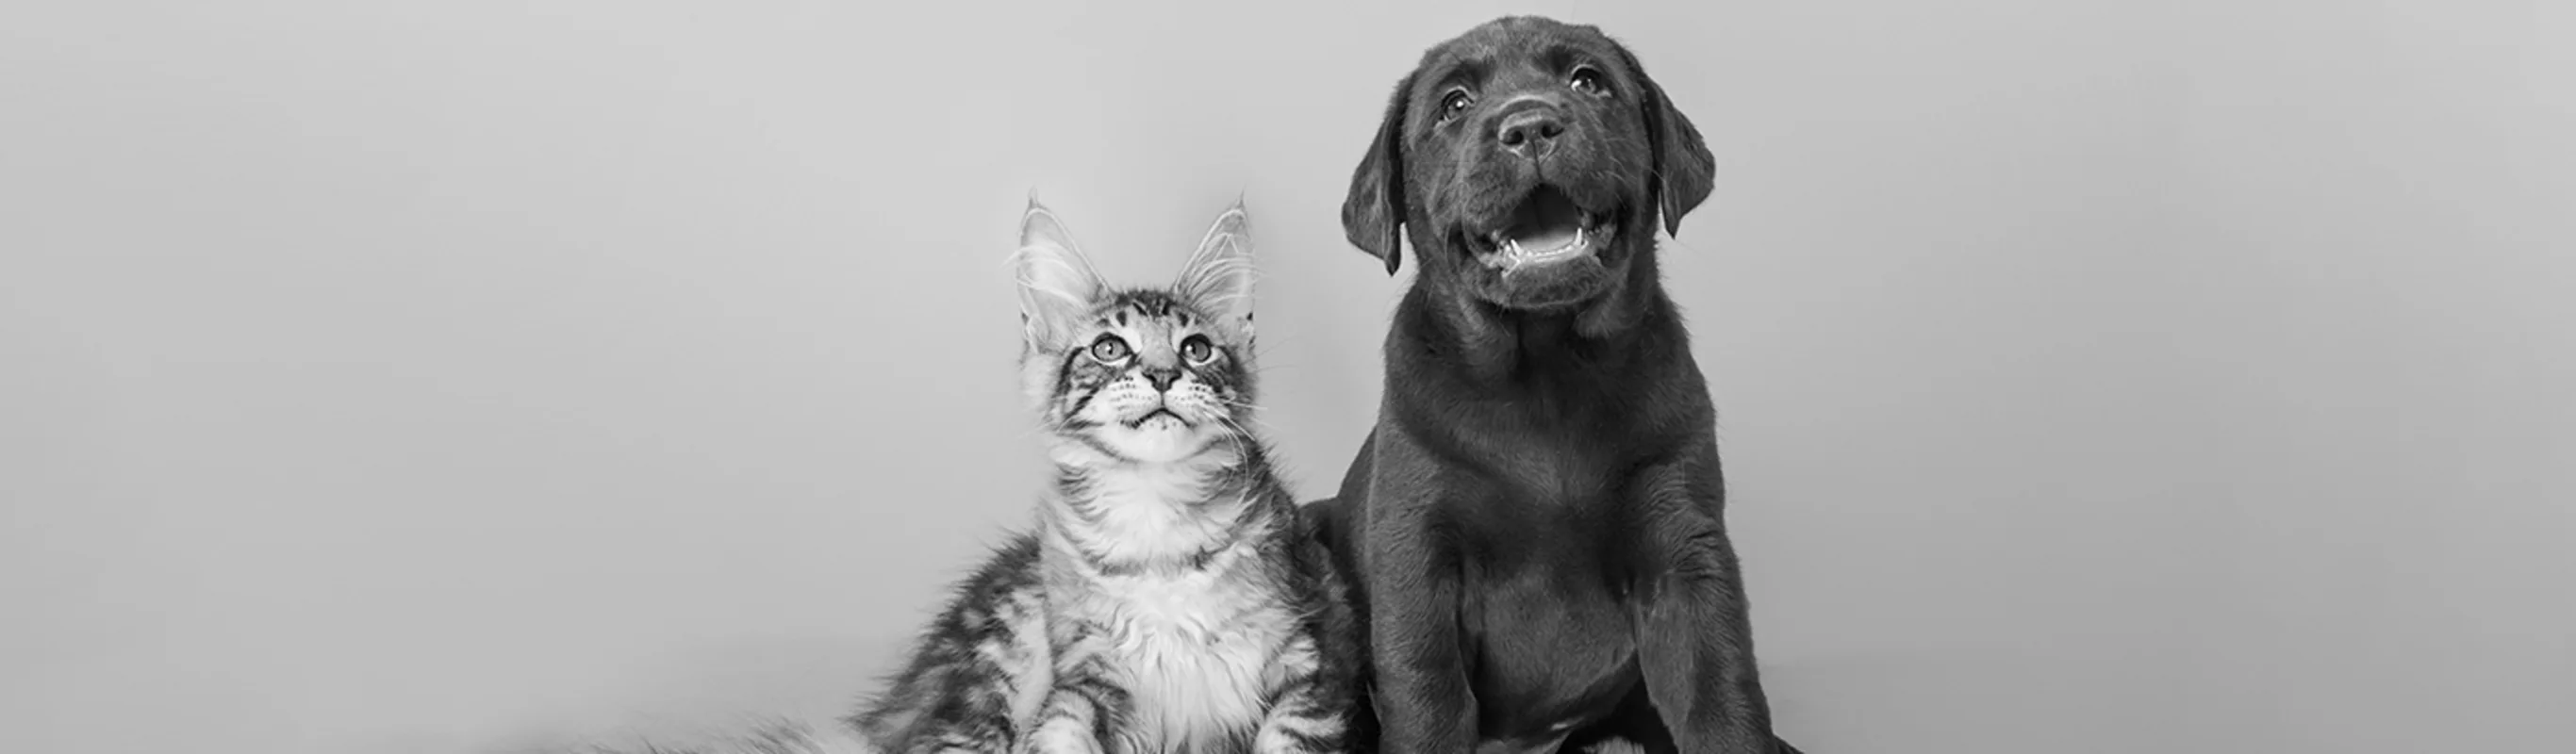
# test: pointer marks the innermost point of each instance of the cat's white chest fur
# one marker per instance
(1190, 620)
(1198, 651)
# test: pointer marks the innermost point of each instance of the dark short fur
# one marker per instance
(1536, 522)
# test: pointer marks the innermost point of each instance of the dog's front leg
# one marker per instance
(1423, 702)
(1695, 639)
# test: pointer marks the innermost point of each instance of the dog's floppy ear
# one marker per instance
(1373, 213)
(1684, 169)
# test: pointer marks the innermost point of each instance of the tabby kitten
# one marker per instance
(1166, 601)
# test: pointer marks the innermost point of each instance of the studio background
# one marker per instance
(463, 377)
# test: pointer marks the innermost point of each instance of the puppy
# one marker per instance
(1536, 522)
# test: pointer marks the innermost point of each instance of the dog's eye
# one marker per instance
(1197, 349)
(1452, 105)
(1587, 81)
(1109, 348)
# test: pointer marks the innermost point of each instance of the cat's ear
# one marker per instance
(1218, 278)
(1057, 285)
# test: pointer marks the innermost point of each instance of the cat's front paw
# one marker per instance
(1060, 736)
(1286, 739)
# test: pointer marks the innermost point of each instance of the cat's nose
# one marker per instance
(1162, 378)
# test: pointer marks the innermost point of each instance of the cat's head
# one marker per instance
(1149, 375)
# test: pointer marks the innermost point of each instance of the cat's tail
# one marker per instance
(784, 737)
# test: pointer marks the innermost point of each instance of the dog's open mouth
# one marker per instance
(1547, 228)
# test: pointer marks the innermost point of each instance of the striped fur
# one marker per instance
(1166, 602)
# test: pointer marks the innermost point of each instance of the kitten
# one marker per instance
(1166, 602)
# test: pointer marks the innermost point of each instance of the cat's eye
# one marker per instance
(1197, 349)
(1109, 348)
(1588, 81)
(1455, 103)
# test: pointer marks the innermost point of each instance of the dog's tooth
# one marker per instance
(1512, 246)
(1578, 238)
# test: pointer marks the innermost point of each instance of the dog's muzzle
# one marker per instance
(1546, 227)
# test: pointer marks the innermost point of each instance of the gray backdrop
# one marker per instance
(2095, 376)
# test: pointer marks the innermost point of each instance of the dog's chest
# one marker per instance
(1196, 650)
(1558, 597)
(1547, 463)
(1547, 609)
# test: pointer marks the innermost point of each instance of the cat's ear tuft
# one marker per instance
(1218, 278)
(1057, 285)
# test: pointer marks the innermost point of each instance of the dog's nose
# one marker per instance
(1162, 378)
(1531, 133)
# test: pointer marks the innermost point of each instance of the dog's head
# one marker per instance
(1528, 160)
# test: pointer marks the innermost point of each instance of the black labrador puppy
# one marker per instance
(1536, 523)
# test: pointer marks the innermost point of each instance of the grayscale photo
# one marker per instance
(1149, 377)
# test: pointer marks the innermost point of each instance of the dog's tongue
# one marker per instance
(1545, 221)
(1543, 239)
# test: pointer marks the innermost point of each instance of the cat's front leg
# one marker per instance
(1311, 711)
(1086, 709)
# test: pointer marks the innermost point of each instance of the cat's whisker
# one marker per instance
(1239, 427)
(1249, 417)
